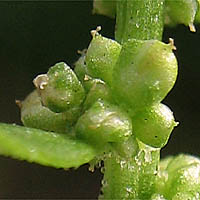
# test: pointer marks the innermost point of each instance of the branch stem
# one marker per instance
(139, 19)
(131, 177)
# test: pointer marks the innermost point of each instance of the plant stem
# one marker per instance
(139, 19)
(133, 177)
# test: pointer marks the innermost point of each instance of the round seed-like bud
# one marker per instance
(181, 12)
(101, 57)
(34, 115)
(104, 123)
(184, 180)
(144, 73)
(179, 177)
(80, 67)
(180, 161)
(154, 126)
(89, 82)
(98, 90)
(60, 90)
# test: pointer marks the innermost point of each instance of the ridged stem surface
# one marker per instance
(139, 19)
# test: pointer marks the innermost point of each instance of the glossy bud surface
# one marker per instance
(101, 57)
(181, 12)
(104, 123)
(34, 115)
(154, 125)
(144, 73)
(60, 90)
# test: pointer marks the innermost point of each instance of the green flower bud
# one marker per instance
(185, 179)
(181, 12)
(89, 82)
(154, 125)
(34, 115)
(145, 72)
(162, 175)
(180, 161)
(197, 17)
(60, 90)
(80, 67)
(126, 149)
(99, 90)
(104, 7)
(101, 57)
(179, 177)
(103, 123)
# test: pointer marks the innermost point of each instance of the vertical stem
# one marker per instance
(134, 176)
(131, 177)
(120, 178)
(139, 19)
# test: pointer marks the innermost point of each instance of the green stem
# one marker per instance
(139, 19)
(131, 177)
(120, 178)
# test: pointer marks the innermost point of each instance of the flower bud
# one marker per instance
(80, 67)
(34, 115)
(184, 180)
(104, 123)
(144, 73)
(60, 90)
(180, 161)
(101, 57)
(154, 125)
(181, 12)
(179, 177)
(98, 90)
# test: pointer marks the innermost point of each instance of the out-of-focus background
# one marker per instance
(35, 36)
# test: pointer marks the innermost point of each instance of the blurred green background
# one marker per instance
(35, 36)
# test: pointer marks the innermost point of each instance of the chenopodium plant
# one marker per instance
(109, 107)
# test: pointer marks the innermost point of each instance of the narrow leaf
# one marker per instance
(46, 148)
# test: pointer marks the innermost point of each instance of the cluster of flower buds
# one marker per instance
(113, 93)
(178, 178)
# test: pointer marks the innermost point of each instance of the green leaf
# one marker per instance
(46, 148)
